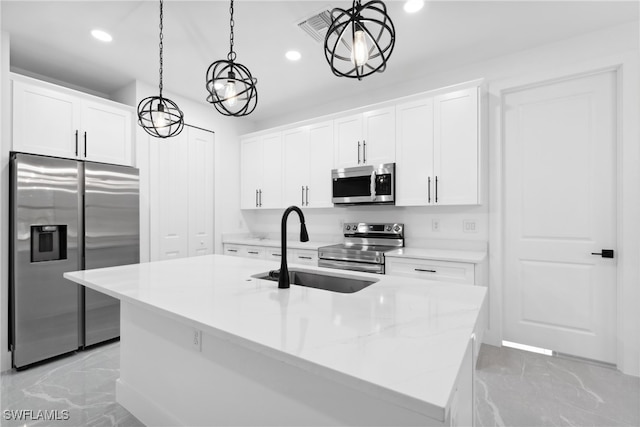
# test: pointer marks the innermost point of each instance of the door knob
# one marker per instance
(606, 253)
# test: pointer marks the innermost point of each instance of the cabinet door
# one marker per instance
(456, 147)
(414, 153)
(295, 144)
(444, 271)
(271, 180)
(45, 121)
(201, 188)
(348, 141)
(106, 133)
(379, 136)
(168, 198)
(320, 164)
(250, 172)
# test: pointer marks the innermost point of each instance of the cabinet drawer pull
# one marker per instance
(232, 250)
(305, 257)
(276, 254)
(425, 271)
(253, 252)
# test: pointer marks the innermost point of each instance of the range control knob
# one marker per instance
(348, 227)
(388, 228)
(355, 227)
(396, 228)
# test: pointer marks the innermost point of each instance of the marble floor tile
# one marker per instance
(519, 388)
(512, 388)
(77, 390)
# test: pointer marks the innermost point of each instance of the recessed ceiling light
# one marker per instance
(293, 55)
(412, 6)
(101, 35)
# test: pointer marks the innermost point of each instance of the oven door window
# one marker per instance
(352, 186)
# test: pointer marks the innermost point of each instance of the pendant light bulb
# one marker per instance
(360, 49)
(230, 94)
(160, 120)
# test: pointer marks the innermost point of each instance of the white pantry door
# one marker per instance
(560, 207)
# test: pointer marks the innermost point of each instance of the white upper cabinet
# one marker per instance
(308, 160)
(437, 150)
(456, 147)
(414, 153)
(200, 191)
(365, 139)
(59, 123)
(261, 172)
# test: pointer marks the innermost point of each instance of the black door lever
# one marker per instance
(606, 253)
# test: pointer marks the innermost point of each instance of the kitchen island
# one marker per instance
(204, 343)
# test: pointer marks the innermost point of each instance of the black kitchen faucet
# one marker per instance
(283, 278)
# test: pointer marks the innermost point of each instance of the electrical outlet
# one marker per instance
(197, 340)
(435, 225)
(469, 226)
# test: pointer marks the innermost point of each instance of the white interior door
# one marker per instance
(201, 191)
(560, 192)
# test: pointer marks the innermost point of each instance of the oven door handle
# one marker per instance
(372, 186)
(353, 266)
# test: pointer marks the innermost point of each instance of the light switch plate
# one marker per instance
(196, 340)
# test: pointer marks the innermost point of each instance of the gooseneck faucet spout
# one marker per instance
(283, 278)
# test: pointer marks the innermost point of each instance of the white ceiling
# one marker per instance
(51, 38)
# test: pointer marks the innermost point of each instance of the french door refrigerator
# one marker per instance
(66, 215)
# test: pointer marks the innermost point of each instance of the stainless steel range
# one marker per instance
(364, 247)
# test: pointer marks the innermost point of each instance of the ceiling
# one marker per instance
(51, 38)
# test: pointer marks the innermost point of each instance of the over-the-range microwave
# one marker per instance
(374, 184)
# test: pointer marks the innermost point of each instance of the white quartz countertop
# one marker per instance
(291, 244)
(454, 255)
(400, 339)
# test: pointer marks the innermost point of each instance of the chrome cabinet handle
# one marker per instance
(429, 189)
(260, 197)
(436, 189)
(276, 254)
(425, 271)
(256, 197)
(358, 152)
(252, 252)
(232, 250)
(76, 142)
(364, 152)
(307, 188)
(302, 195)
(304, 257)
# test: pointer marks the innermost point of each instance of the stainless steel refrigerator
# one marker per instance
(66, 215)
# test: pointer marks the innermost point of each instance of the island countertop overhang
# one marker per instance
(400, 339)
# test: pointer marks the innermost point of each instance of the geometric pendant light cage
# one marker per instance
(359, 40)
(157, 115)
(230, 86)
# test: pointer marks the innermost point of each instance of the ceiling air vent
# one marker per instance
(316, 26)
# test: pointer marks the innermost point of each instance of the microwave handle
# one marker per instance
(373, 186)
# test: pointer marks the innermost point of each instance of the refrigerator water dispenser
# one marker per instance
(48, 242)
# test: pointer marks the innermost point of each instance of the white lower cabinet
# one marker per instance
(294, 256)
(446, 271)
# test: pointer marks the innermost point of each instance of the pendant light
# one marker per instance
(359, 40)
(232, 89)
(160, 116)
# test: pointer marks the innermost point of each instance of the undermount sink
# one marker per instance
(328, 282)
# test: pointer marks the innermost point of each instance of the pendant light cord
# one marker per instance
(161, 47)
(232, 55)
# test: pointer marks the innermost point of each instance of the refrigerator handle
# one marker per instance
(76, 142)
(85, 144)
